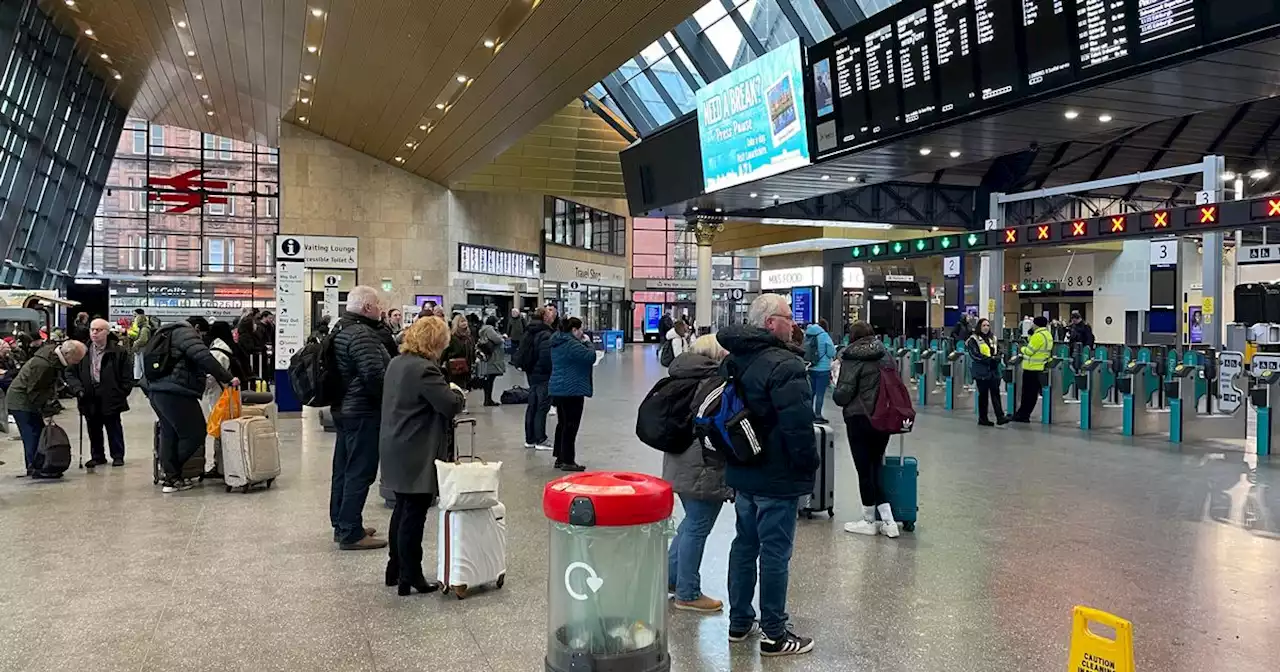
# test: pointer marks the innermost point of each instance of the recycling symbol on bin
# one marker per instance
(594, 582)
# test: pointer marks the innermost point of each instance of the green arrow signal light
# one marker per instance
(877, 250)
(1048, 286)
(920, 244)
(972, 239)
(946, 242)
(1035, 286)
(897, 248)
(857, 252)
(1022, 287)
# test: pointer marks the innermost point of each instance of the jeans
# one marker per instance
(535, 413)
(684, 558)
(819, 380)
(1032, 386)
(766, 532)
(567, 423)
(408, 521)
(115, 436)
(989, 394)
(867, 446)
(182, 431)
(30, 426)
(355, 466)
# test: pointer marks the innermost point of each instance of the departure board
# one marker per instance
(1103, 26)
(998, 72)
(953, 54)
(1046, 31)
(915, 67)
(882, 80)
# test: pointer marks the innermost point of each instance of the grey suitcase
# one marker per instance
(824, 482)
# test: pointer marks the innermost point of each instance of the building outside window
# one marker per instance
(575, 225)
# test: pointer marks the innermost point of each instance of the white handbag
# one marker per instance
(468, 485)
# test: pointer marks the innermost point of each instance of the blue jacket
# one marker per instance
(776, 390)
(571, 364)
(826, 347)
(986, 365)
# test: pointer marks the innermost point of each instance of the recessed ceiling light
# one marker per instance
(851, 178)
(210, 113)
(400, 159)
(1228, 175)
(205, 96)
(925, 151)
(463, 79)
(307, 78)
(1259, 174)
(1104, 118)
(422, 127)
(754, 194)
(88, 31)
(826, 177)
(933, 228)
(1071, 114)
(317, 12)
(71, 3)
(776, 197)
(489, 44)
(695, 208)
(104, 57)
(719, 209)
(439, 106)
(304, 100)
(199, 76)
(302, 118)
(117, 76)
(182, 24)
(191, 52)
(409, 144)
(312, 49)
(955, 154)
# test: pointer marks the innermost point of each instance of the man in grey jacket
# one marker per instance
(362, 346)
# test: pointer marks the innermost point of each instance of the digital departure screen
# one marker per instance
(953, 54)
(915, 61)
(998, 71)
(882, 80)
(1103, 26)
(1046, 30)
(1166, 26)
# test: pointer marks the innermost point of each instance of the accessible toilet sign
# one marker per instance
(319, 251)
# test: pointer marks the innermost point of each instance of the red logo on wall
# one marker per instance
(188, 193)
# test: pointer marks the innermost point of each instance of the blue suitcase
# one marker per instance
(898, 479)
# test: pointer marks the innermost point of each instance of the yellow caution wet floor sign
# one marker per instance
(1091, 652)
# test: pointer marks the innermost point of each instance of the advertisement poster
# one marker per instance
(652, 317)
(1195, 325)
(802, 304)
(751, 122)
(822, 87)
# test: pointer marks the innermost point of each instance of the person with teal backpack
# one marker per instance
(819, 352)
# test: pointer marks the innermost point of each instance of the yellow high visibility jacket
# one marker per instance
(1036, 353)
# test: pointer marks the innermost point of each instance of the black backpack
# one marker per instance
(53, 454)
(665, 418)
(158, 358)
(313, 374)
(667, 353)
(529, 352)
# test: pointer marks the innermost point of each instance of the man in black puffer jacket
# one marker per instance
(534, 357)
(175, 397)
(776, 390)
(362, 349)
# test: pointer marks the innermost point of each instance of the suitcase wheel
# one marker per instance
(910, 527)
(227, 487)
(269, 482)
(460, 592)
(831, 512)
(502, 578)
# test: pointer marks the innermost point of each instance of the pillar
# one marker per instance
(991, 275)
(1211, 293)
(704, 229)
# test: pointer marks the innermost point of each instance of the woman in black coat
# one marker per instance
(459, 358)
(986, 372)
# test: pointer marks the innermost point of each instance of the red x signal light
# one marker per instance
(1042, 232)
(1077, 228)
(1010, 236)
(1118, 224)
(1273, 207)
(1160, 219)
(1208, 214)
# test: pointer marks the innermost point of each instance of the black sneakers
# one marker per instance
(789, 644)
(736, 636)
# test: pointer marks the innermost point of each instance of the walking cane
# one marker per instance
(81, 416)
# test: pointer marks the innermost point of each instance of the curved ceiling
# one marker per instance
(476, 75)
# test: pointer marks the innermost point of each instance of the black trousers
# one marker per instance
(867, 446)
(408, 521)
(182, 430)
(96, 423)
(488, 387)
(989, 394)
(1032, 385)
(568, 420)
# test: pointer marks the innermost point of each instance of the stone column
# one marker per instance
(704, 229)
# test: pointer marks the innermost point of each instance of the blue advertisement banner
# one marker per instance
(652, 317)
(1195, 318)
(751, 122)
(802, 304)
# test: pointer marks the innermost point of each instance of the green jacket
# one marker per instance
(142, 325)
(1036, 353)
(37, 382)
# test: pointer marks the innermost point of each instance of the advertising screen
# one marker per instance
(751, 122)
(802, 304)
(652, 317)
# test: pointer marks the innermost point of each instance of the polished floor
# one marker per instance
(101, 572)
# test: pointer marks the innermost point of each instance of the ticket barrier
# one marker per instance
(1264, 396)
(1095, 412)
(1137, 418)
(1185, 424)
(926, 376)
(1012, 384)
(903, 359)
(957, 395)
(1056, 409)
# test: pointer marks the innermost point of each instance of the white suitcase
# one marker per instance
(472, 549)
(250, 453)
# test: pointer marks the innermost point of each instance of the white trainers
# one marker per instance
(889, 529)
(868, 527)
(544, 446)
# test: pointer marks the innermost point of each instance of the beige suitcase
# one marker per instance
(250, 452)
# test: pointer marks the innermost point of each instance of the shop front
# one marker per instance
(654, 297)
(179, 299)
(491, 281)
(804, 287)
(595, 293)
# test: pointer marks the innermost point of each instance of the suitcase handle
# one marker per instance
(457, 458)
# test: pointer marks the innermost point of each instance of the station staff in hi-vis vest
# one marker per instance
(1035, 354)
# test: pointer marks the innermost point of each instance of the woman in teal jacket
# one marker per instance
(819, 351)
(571, 362)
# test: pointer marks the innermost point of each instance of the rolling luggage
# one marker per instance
(250, 453)
(192, 470)
(472, 549)
(824, 482)
(1251, 303)
(898, 479)
(326, 420)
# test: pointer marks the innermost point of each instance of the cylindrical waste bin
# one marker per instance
(607, 581)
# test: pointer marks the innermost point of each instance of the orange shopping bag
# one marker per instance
(226, 408)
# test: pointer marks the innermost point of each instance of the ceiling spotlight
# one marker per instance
(312, 49)
(302, 118)
(955, 153)
(191, 52)
(776, 197)
(1259, 174)
(304, 100)
(400, 159)
(104, 57)
(1104, 118)
(205, 96)
(409, 144)
(695, 208)
(754, 194)
(317, 12)
(826, 177)
(925, 151)
(182, 24)
(1071, 114)
(489, 44)
(71, 3)
(934, 229)
(307, 78)
(88, 31)
(117, 76)
(463, 79)
(851, 178)
(209, 113)
(1228, 175)
(422, 127)
(439, 106)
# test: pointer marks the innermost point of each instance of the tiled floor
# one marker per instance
(101, 572)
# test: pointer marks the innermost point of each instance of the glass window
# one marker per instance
(728, 42)
(643, 90)
(140, 141)
(157, 140)
(709, 13)
(675, 84)
(215, 255)
(224, 149)
(654, 52)
(768, 23)
(813, 19)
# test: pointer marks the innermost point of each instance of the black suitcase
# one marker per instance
(1271, 306)
(193, 469)
(1251, 303)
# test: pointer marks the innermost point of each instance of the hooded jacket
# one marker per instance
(776, 390)
(826, 347)
(859, 382)
(571, 364)
(536, 346)
(37, 382)
(192, 361)
(698, 472)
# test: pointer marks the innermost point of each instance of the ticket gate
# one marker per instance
(903, 358)
(1264, 396)
(1137, 418)
(1056, 409)
(926, 376)
(956, 394)
(1012, 376)
(1095, 412)
(1185, 423)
